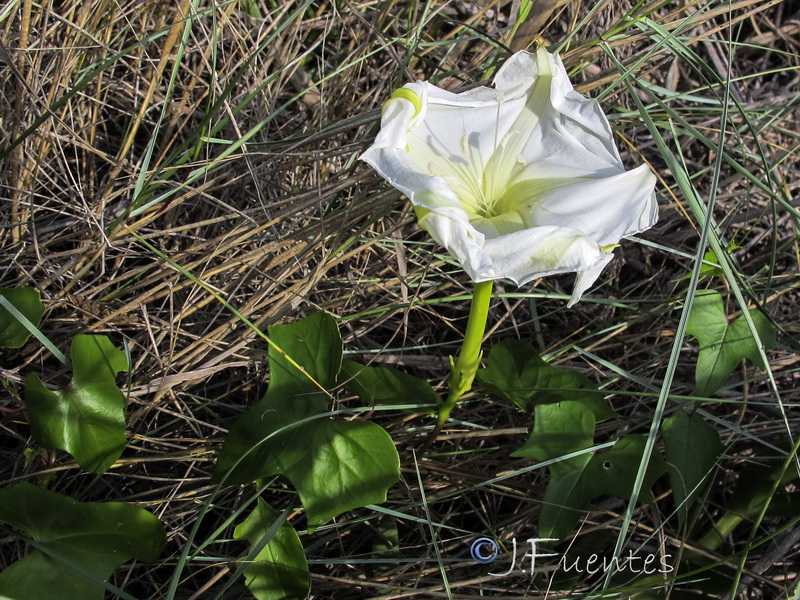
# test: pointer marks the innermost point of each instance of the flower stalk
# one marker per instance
(463, 369)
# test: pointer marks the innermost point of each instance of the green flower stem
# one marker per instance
(463, 370)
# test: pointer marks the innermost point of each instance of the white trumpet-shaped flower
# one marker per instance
(519, 181)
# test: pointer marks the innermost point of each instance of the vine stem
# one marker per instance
(463, 370)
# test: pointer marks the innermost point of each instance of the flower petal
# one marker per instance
(585, 279)
(605, 208)
(572, 116)
(388, 155)
(540, 251)
(462, 241)
(521, 256)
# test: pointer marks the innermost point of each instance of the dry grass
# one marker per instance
(229, 142)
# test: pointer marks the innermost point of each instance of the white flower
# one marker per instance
(519, 181)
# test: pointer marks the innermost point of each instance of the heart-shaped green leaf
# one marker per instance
(723, 344)
(304, 361)
(691, 448)
(613, 471)
(78, 544)
(334, 465)
(280, 569)
(516, 373)
(388, 386)
(87, 418)
(560, 429)
(608, 473)
(14, 334)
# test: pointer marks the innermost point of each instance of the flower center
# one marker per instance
(485, 172)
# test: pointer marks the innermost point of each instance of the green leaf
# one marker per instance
(711, 270)
(336, 466)
(516, 373)
(762, 481)
(279, 571)
(613, 472)
(723, 344)
(14, 334)
(388, 386)
(706, 269)
(691, 448)
(563, 504)
(87, 418)
(386, 545)
(756, 482)
(296, 392)
(609, 473)
(560, 429)
(78, 544)
(251, 8)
